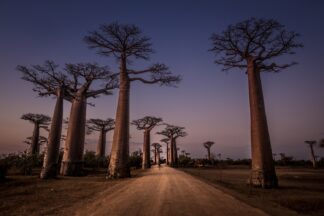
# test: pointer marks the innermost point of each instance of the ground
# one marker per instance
(301, 189)
(165, 191)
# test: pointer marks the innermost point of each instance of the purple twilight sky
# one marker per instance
(211, 104)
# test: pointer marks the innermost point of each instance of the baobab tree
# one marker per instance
(208, 145)
(41, 141)
(252, 45)
(155, 150)
(173, 133)
(103, 126)
(311, 144)
(84, 75)
(125, 43)
(147, 124)
(166, 141)
(48, 81)
(39, 121)
(159, 151)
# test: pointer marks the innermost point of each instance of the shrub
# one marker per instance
(135, 159)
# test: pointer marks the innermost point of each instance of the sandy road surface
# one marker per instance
(165, 191)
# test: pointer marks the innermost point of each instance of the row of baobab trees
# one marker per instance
(146, 124)
(75, 83)
(253, 46)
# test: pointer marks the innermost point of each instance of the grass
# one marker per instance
(301, 190)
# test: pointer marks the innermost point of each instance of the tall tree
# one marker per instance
(311, 144)
(146, 123)
(159, 151)
(173, 133)
(166, 141)
(155, 150)
(208, 145)
(84, 75)
(103, 126)
(126, 42)
(49, 81)
(39, 121)
(253, 45)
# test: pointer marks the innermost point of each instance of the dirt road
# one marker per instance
(165, 191)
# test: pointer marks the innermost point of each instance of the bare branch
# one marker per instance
(261, 39)
(40, 119)
(147, 122)
(119, 40)
(100, 125)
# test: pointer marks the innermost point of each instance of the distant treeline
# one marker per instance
(25, 164)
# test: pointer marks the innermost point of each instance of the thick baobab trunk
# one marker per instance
(50, 165)
(34, 146)
(263, 172)
(118, 165)
(208, 153)
(101, 146)
(313, 156)
(72, 163)
(146, 162)
(175, 152)
(167, 153)
(172, 152)
(155, 155)
(158, 158)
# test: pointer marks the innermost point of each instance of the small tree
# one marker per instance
(252, 45)
(173, 133)
(208, 145)
(39, 121)
(84, 76)
(166, 141)
(103, 126)
(147, 124)
(311, 144)
(126, 42)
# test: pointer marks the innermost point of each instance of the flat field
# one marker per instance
(301, 190)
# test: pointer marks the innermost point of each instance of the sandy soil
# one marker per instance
(163, 191)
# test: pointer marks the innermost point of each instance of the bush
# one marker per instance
(22, 161)
(135, 159)
(185, 161)
(92, 161)
(3, 169)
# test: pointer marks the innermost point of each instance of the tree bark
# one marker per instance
(118, 165)
(158, 158)
(172, 152)
(34, 146)
(263, 172)
(175, 152)
(155, 155)
(313, 156)
(72, 163)
(101, 146)
(167, 154)
(208, 152)
(50, 165)
(146, 150)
